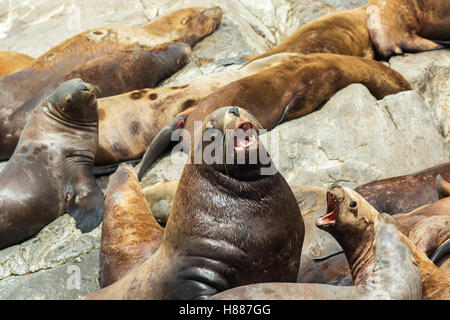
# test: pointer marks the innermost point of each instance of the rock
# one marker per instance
(69, 281)
(58, 243)
(352, 140)
(429, 74)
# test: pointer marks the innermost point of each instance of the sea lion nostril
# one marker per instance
(235, 111)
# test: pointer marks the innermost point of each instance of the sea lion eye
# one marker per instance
(353, 204)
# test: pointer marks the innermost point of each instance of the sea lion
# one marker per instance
(125, 243)
(404, 193)
(398, 26)
(94, 54)
(323, 259)
(443, 187)
(131, 121)
(160, 199)
(343, 32)
(50, 172)
(347, 208)
(112, 73)
(11, 62)
(230, 225)
(291, 90)
(390, 273)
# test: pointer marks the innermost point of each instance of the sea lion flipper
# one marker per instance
(86, 203)
(443, 187)
(160, 143)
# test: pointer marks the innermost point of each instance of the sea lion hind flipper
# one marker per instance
(86, 204)
(441, 252)
(160, 144)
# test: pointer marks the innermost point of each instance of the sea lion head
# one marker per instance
(200, 21)
(74, 101)
(347, 212)
(230, 137)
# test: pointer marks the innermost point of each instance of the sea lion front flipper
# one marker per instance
(85, 200)
(160, 143)
(419, 44)
(443, 187)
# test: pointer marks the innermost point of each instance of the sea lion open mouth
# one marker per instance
(245, 141)
(329, 219)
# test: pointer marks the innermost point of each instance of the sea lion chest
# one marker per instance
(229, 233)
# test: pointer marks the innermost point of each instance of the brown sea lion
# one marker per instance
(129, 122)
(381, 255)
(404, 193)
(230, 225)
(50, 172)
(343, 32)
(11, 62)
(104, 55)
(291, 90)
(130, 233)
(323, 259)
(110, 74)
(398, 26)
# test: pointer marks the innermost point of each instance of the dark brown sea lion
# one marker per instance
(398, 26)
(230, 225)
(130, 234)
(129, 122)
(50, 172)
(94, 54)
(291, 90)
(404, 193)
(380, 255)
(343, 32)
(11, 62)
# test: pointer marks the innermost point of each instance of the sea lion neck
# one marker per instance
(358, 248)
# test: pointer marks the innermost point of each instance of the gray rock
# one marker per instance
(429, 74)
(58, 243)
(69, 281)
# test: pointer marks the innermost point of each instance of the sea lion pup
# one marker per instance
(398, 26)
(11, 62)
(129, 122)
(291, 90)
(405, 193)
(96, 50)
(50, 172)
(343, 32)
(230, 225)
(381, 261)
(130, 234)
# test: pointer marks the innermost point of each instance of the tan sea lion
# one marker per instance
(230, 225)
(130, 233)
(405, 193)
(11, 62)
(342, 32)
(398, 26)
(103, 56)
(289, 91)
(160, 199)
(50, 172)
(381, 255)
(129, 122)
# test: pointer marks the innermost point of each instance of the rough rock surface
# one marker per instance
(353, 139)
